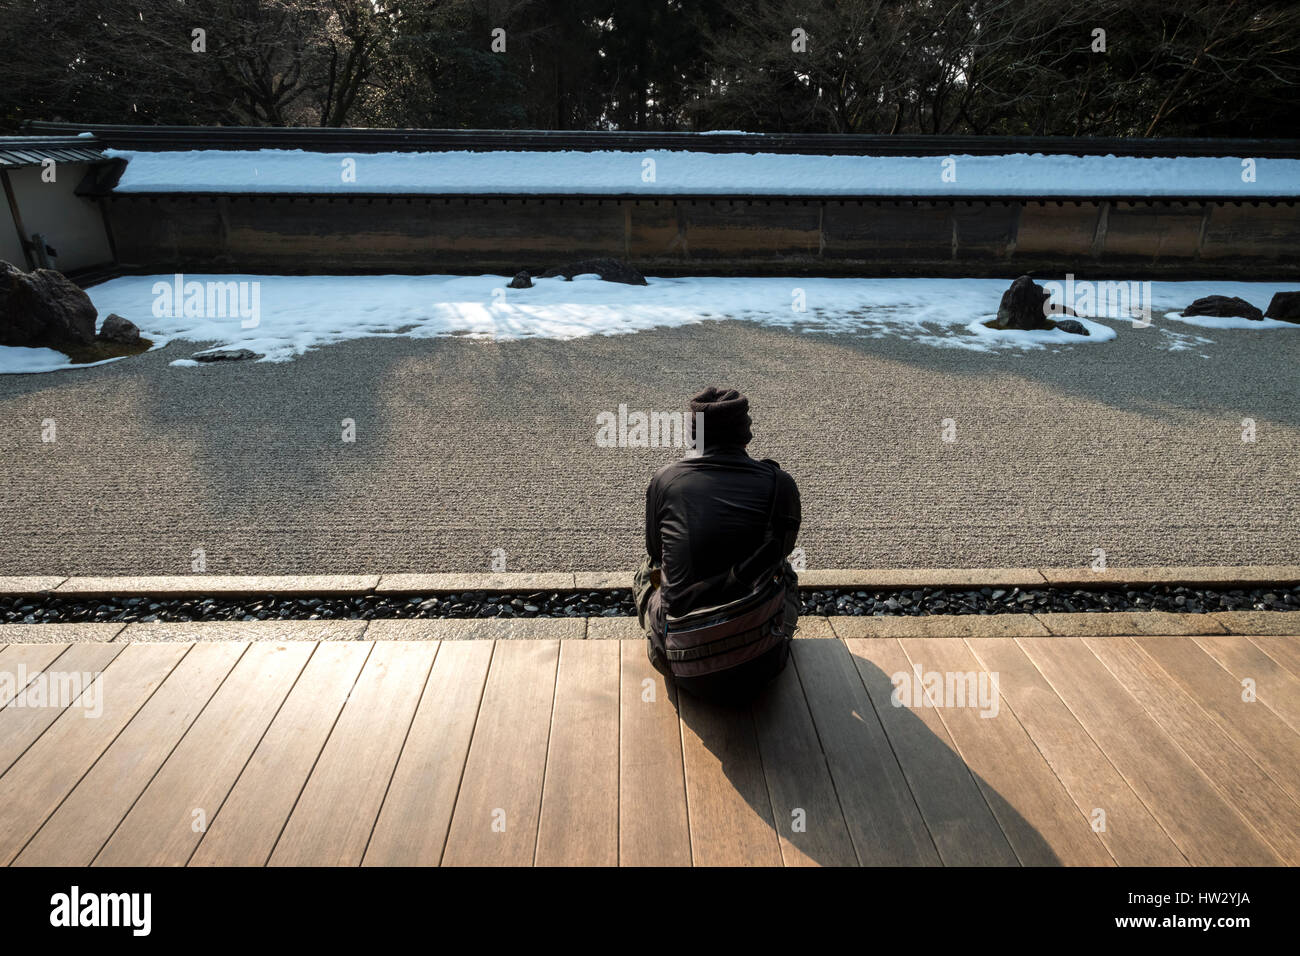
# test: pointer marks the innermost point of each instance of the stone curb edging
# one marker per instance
(349, 585)
(447, 583)
(214, 585)
(961, 578)
(1192, 576)
(29, 584)
(811, 627)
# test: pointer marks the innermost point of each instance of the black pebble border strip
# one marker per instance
(895, 602)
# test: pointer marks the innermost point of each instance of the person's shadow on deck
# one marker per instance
(833, 774)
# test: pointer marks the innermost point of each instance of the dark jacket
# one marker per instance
(706, 525)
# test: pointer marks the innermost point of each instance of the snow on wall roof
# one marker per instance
(677, 173)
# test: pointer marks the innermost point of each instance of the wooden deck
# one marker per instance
(1103, 751)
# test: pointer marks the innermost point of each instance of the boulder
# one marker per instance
(1072, 326)
(120, 330)
(43, 309)
(1062, 310)
(611, 270)
(1023, 306)
(522, 280)
(226, 355)
(1285, 307)
(1223, 306)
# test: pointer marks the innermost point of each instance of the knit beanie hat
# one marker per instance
(726, 417)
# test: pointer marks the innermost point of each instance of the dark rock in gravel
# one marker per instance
(226, 355)
(1072, 326)
(1284, 306)
(120, 330)
(522, 280)
(1223, 306)
(611, 270)
(1023, 306)
(43, 308)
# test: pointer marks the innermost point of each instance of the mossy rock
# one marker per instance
(1048, 325)
(99, 350)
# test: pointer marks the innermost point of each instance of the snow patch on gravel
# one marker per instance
(1039, 339)
(1183, 342)
(301, 313)
(17, 360)
(1230, 322)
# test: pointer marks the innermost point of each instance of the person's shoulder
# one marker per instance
(773, 463)
(666, 473)
(782, 475)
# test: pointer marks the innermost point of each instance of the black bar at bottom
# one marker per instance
(905, 907)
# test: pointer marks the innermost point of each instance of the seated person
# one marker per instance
(716, 595)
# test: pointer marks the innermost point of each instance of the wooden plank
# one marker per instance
(168, 820)
(1274, 815)
(579, 822)
(332, 822)
(1256, 729)
(1206, 829)
(1284, 650)
(727, 804)
(1275, 686)
(413, 822)
(805, 808)
(964, 829)
(21, 663)
(1041, 822)
(253, 816)
(881, 814)
(652, 827)
(495, 820)
(37, 783)
(86, 819)
(26, 716)
(1131, 834)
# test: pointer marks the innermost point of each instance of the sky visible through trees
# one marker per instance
(1037, 67)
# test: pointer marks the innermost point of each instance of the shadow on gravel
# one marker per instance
(464, 447)
(1246, 372)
